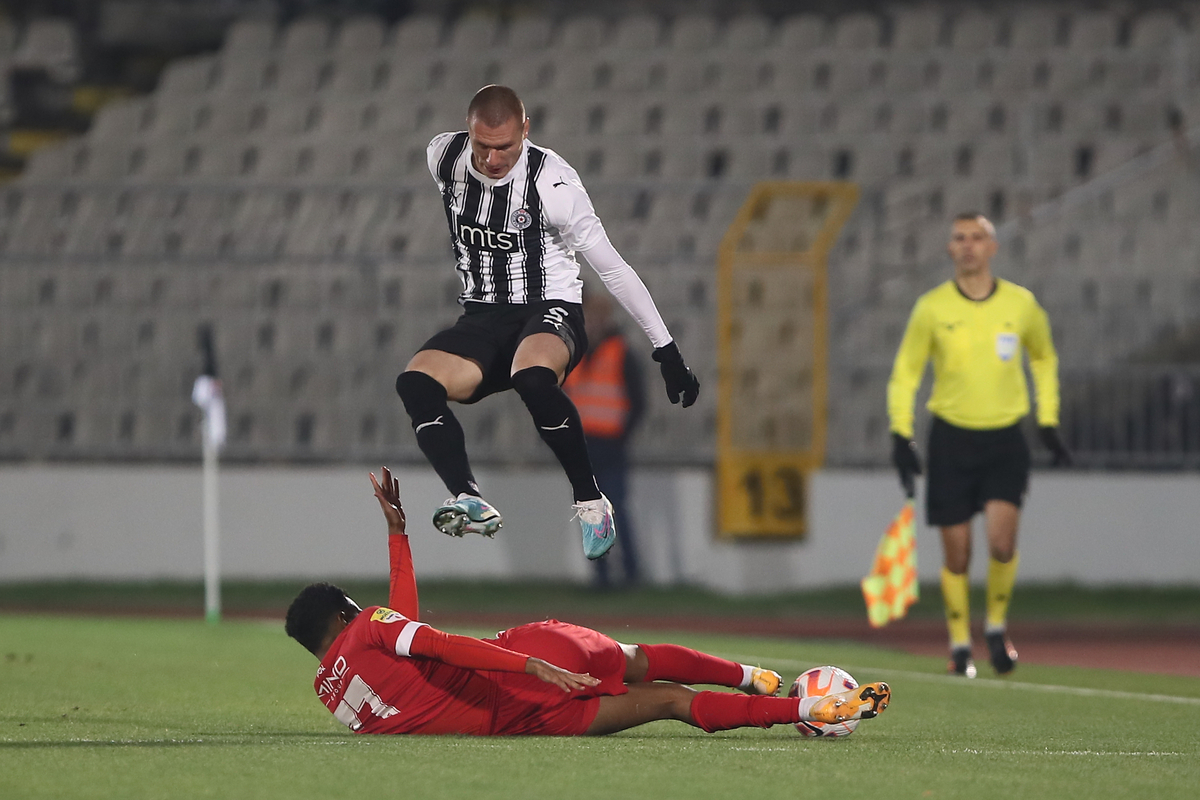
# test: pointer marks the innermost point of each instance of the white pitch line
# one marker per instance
(977, 752)
(991, 683)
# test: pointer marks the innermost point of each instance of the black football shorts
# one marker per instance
(489, 334)
(969, 467)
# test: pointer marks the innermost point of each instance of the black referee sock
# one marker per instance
(439, 434)
(558, 424)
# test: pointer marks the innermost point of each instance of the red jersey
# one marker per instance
(388, 673)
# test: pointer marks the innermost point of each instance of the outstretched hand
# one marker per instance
(567, 681)
(388, 496)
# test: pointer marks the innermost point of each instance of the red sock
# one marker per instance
(670, 662)
(720, 711)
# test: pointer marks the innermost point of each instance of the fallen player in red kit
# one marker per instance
(383, 671)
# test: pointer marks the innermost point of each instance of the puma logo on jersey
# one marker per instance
(561, 182)
(560, 427)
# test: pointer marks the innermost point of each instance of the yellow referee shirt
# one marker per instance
(976, 346)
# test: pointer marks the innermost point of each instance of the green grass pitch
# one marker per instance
(155, 708)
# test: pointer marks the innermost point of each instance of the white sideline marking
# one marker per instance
(976, 752)
(992, 683)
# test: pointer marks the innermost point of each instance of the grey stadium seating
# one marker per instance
(277, 190)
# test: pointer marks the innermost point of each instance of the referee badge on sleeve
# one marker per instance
(521, 219)
(1006, 345)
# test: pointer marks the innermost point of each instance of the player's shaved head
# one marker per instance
(975, 216)
(312, 612)
(496, 105)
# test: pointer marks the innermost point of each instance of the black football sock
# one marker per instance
(439, 434)
(558, 424)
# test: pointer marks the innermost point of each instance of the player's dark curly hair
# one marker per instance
(310, 613)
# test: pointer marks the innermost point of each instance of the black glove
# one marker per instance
(1054, 443)
(908, 463)
(679, 379)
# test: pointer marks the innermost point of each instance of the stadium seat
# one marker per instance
(463, 77)
(188, 76)
(249, 35)
(739, 73)
(802, 34)
(528, 33)
(474, 35)
(580, 36)
(1155, 31)
(910, 72)
(229, 117)
(121, 120)
(693, 32)
(681, 74)
(1039, 29)
(305, 39)
(359, 37)
(100, 160)
(416, 33)
(1093, 31)
(746, 33)
(50, 44)
(857, 31)
(638, 32)
(918, 29)
(407, 73)
(579, 73)
(244, 72)
(1068, 74)
(974, 31)
(53, 162)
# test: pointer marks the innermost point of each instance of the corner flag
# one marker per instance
(206, 393)
(892, 585)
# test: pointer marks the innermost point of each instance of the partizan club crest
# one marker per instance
(521, 219)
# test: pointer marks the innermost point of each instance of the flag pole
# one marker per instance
(212, 533)
(206, 393)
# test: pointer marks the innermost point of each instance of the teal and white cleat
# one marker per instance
(465, 514)
(596, 521)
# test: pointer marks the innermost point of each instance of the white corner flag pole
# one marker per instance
(206, 393)
(212, 534)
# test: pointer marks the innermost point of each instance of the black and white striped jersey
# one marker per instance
(515, 238)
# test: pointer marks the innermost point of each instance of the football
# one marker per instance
(820, 681)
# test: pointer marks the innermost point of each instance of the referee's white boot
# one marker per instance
(596, 522)
(465, 514)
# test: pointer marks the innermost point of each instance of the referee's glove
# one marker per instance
(1054, 443)
(679, 379)
(908, 463)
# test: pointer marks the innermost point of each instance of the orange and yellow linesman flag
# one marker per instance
(892, 585)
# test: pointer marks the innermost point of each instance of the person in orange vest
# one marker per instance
(608, 390)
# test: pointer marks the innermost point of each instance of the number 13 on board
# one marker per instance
(762, 494)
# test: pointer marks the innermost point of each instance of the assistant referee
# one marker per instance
(974, 329)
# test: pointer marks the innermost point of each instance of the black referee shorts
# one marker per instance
(489, 334)
(969, 467)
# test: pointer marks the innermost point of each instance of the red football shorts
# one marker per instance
(532, 706)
